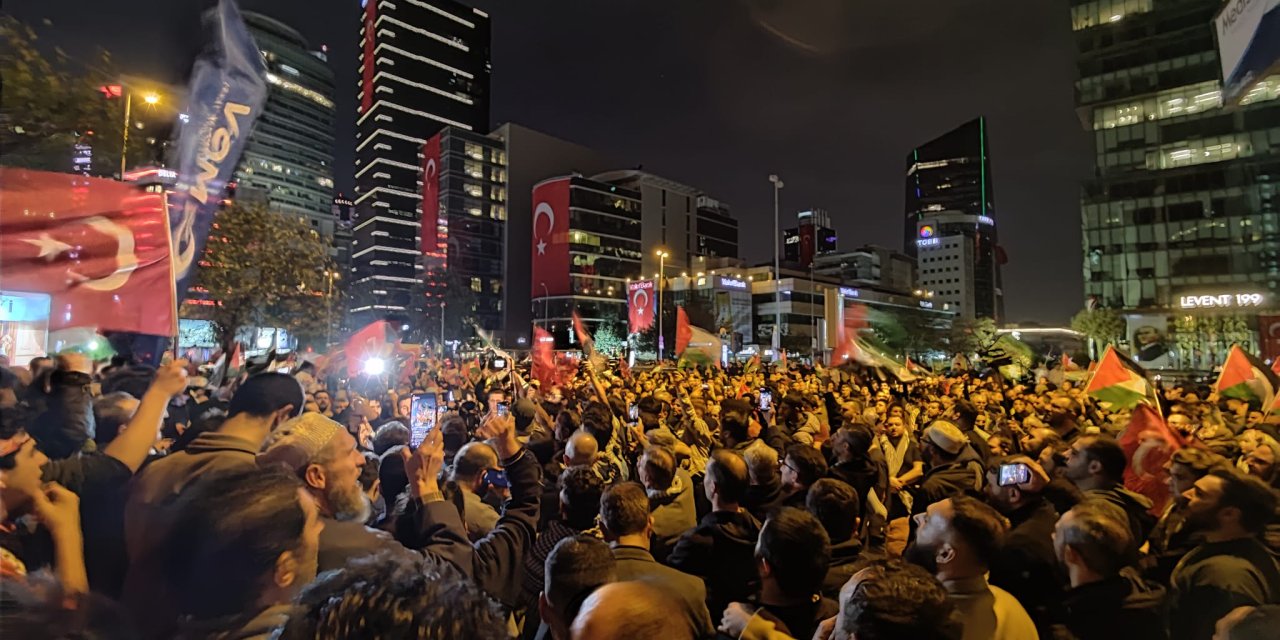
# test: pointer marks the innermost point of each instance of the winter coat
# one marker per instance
(721, 551)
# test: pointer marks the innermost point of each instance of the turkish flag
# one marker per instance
(100, 248)
(684, 332)
(640, 305)
(551, 238)
(433, 243)
(375, 340)
(544, 365)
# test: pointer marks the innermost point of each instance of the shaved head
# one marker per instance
(581, 448)
(635, 610)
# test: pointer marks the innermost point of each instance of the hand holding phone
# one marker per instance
(1014, 474)
(423, 415)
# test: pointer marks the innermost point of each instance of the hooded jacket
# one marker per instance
(721, 550)
(1123, 606)
(949, 479)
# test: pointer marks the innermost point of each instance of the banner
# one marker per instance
(434, 240)
(99, 247)
(551, 238)
(1149, 341)
(228, 89)
(1248, 45)
(640, 306)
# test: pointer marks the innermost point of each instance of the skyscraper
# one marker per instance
(424, 65)
(1180, 226)
(288, 161)
(812, 237)
(950, 222)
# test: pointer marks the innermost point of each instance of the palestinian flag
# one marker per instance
(693, 344)
(753, 366)
(1244, 377)
(1120, 382)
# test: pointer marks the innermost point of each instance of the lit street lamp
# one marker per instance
(149, 98)
(662, 273)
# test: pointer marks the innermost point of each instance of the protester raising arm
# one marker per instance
(59, 511)
(134, 442)
(499, 556)
(432, 524)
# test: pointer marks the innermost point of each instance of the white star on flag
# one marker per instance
(542, 247)
(49, 247)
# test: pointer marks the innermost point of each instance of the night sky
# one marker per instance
(829, 94)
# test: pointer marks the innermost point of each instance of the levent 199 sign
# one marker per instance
(1223, 300)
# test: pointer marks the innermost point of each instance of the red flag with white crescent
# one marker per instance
(543, 368)
(550, 250)
(433, 241)
(640, 306)
(99, 248)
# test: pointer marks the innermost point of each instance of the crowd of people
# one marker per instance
(663, 502)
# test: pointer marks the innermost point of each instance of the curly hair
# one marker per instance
(395, 595)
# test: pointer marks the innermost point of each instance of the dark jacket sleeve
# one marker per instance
(436, 528)
(67, 421)
(95, 471)
(499, 557)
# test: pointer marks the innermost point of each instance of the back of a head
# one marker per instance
(633, 610)
(1252, 497)
(392, 475)
(891, 599)
(728, 472)
(809, 464)
(835, 504)
(575, 567)
(1098, 533)
(580, 490)
(111, 412)
(389, 435)
(624, 509)
(581, 448)
(395, 596)
(266, 393)
(797, 549)
(1254, 623)
(735, 418)
(1108, 453)
(980, 526)
(762, 463)
(858, 436)
(473, 459)
(228, 531)
(659, 467)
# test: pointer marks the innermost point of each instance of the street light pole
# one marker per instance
(546, 307)
(662, 275)
(124, 138)
(777, 270)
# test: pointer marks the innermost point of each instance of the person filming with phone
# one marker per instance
(1026, 565)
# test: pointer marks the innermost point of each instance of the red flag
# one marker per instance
(640, 306)
(1149, 443)
(544, 366)
(550, 250)
(434, 240)
(236, 361)
(99, 248)
(624, 368)
(684, 333)
(1067, 364)
(1275, 366)
(584, 338)
(373, 341)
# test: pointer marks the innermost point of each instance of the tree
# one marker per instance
(1101, 326)
(50, 104)
(972, 336)
(607, 339)
(263, 268)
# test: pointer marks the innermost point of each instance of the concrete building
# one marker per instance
(810, 238)
(870, 265)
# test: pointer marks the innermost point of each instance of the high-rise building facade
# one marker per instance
(812, 237)
(1180, 228)
(424, 65)
(288, 160)
(950, 215)
(871, 265)
(588, 248)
